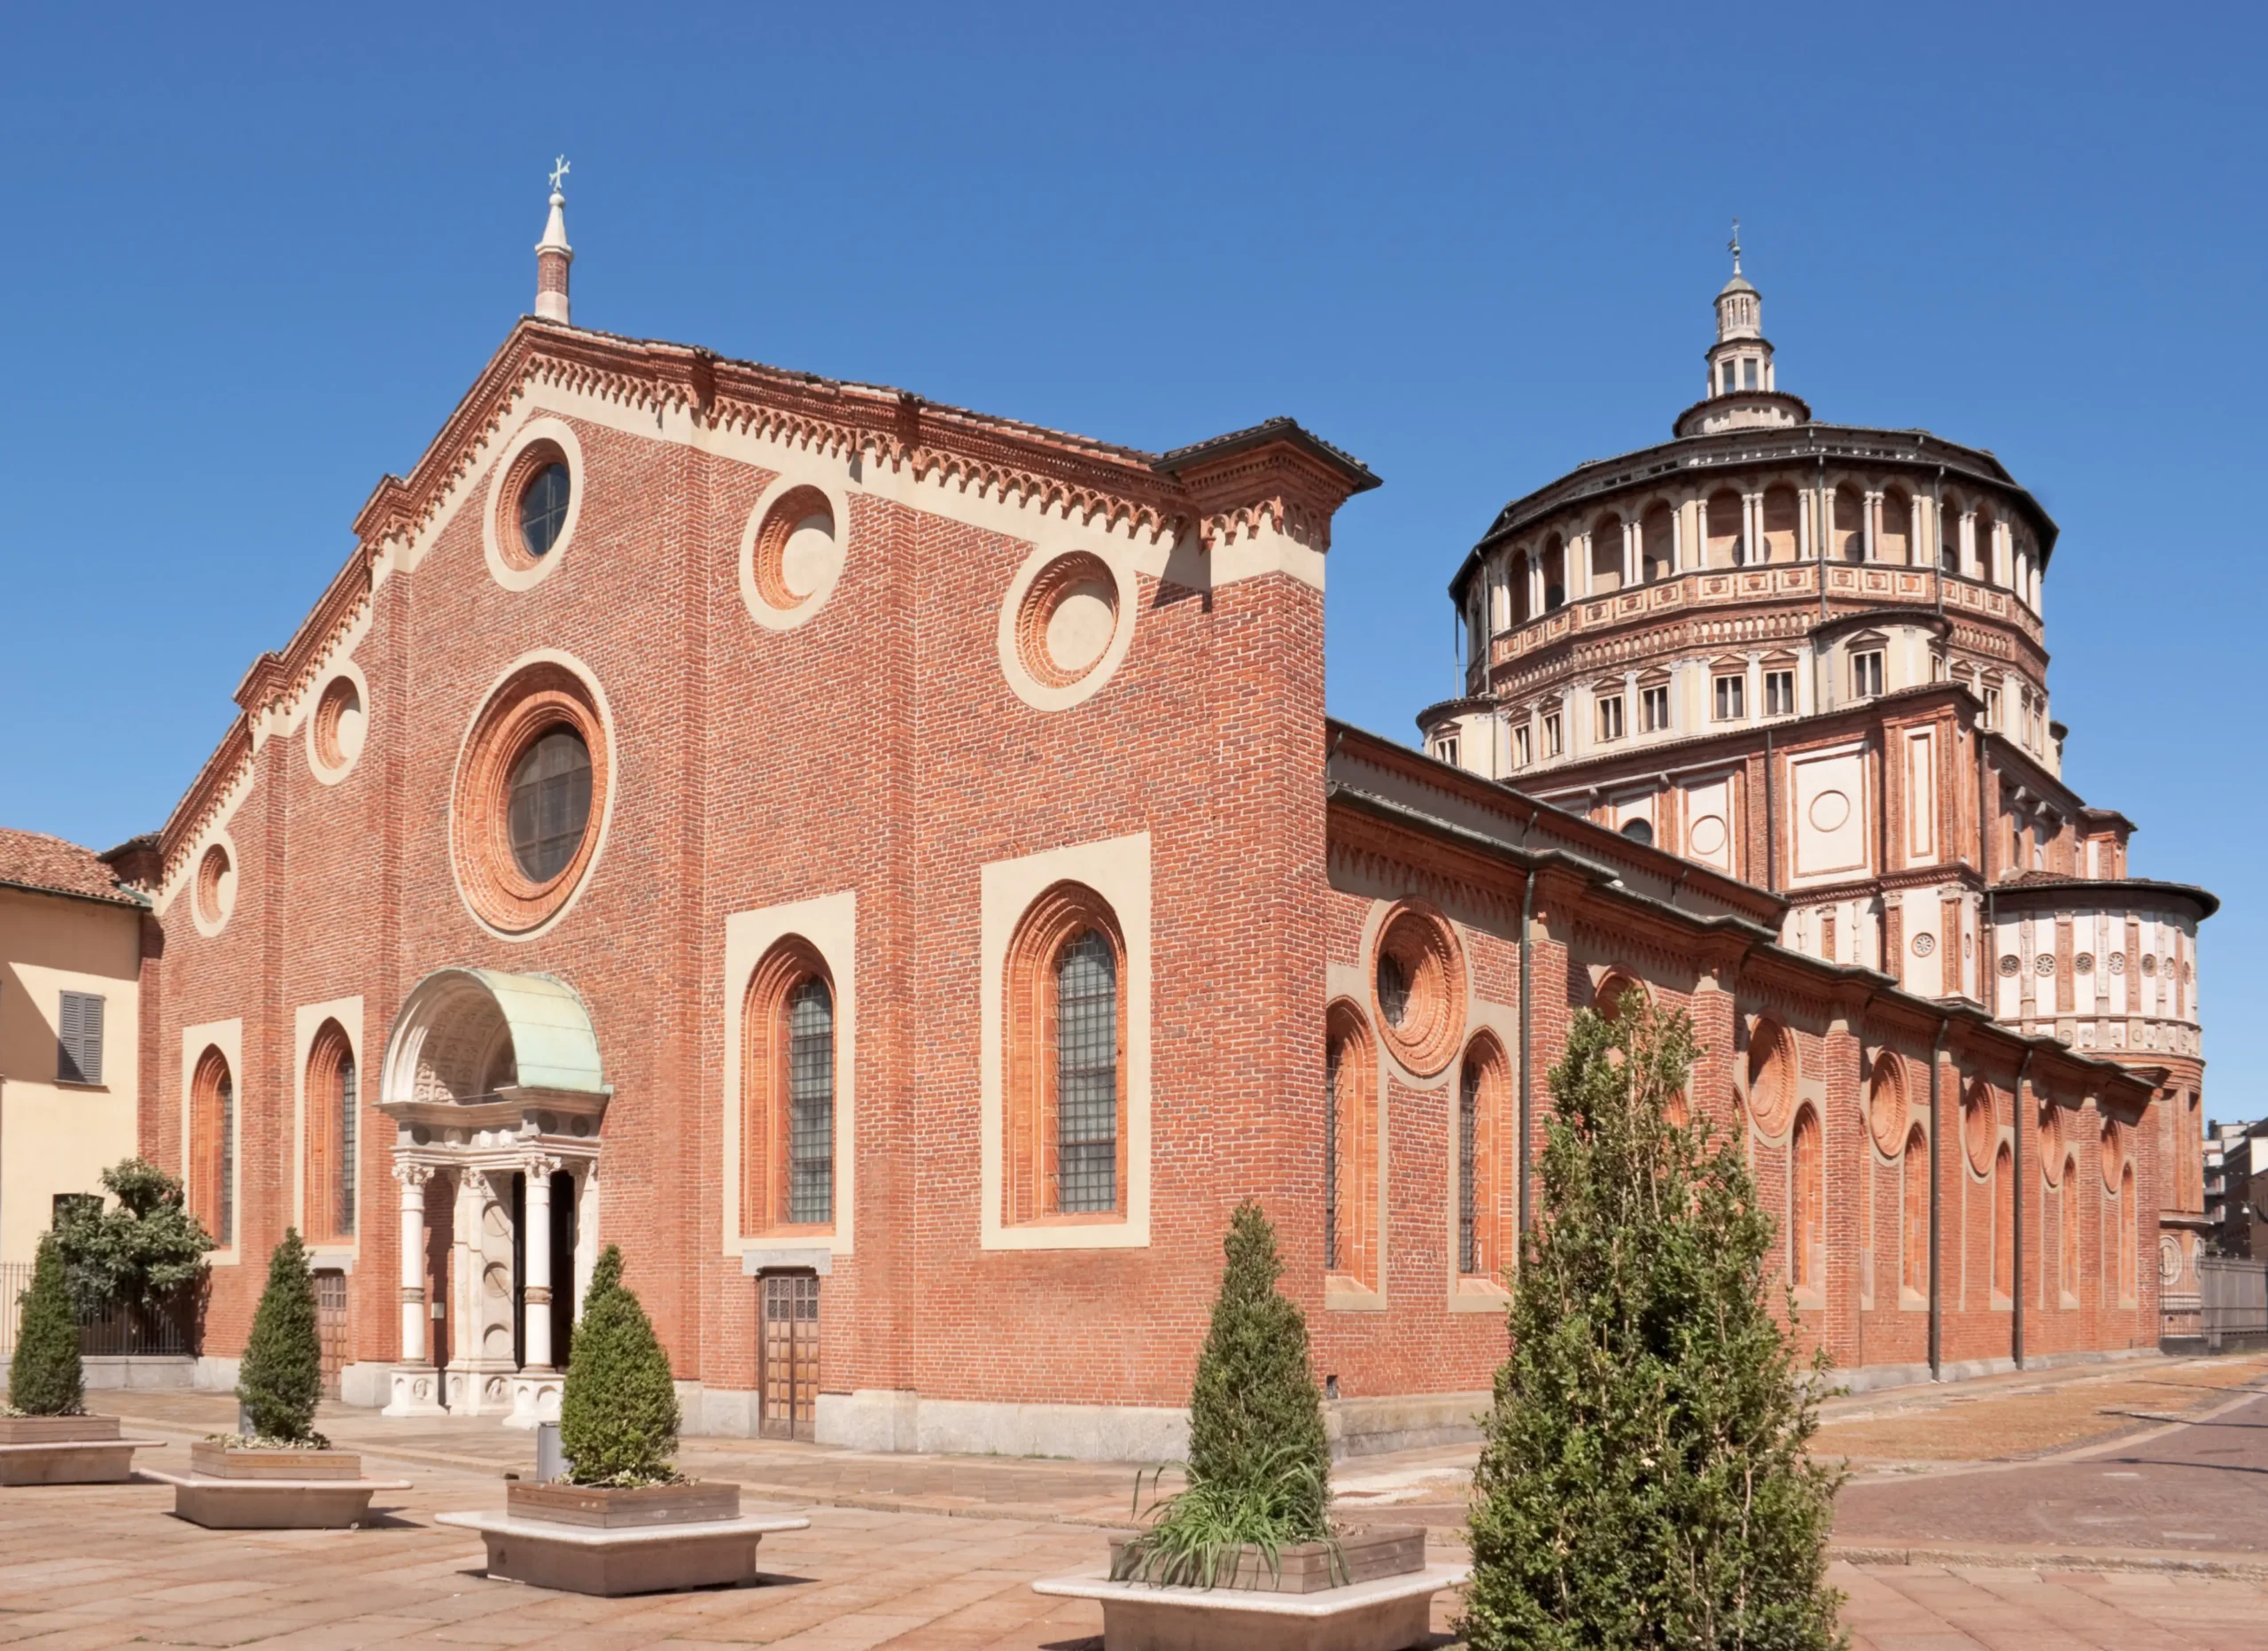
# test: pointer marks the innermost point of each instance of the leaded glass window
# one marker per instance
(1086, 1074)
(1468, 1131)
(226, 1094)
(1330, 1066)
(1393, 990)
(348, 1094)
(811, 1103)
(543, 509)
(550, 806)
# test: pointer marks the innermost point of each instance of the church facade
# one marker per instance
(890, 870)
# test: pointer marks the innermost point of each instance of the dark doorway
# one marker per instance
(519, 1271)
(331, 1326)
(562, 1267)
(788, 1354)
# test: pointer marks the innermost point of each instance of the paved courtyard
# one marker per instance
(2152, 1536)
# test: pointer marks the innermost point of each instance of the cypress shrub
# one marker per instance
(617, 1411)
(282, 1377)
(44, 1378)
(1258, 1468)
(1643, 1479)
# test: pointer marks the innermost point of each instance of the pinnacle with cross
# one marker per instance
(559, 170)
(1733, 245)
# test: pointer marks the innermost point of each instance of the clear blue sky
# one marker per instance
(251, 259)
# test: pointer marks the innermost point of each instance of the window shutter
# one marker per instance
(91, 1038)
(66, 1050)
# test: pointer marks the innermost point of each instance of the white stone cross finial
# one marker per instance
(559, 170)
(1732, 245)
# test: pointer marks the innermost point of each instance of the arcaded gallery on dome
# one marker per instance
(890, 870)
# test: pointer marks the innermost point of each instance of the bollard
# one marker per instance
(550, 1460)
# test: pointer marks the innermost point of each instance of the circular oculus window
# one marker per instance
(216, 887)
(2050, 1142)
(791, 553)
(1418, 974)
(1771, 1077)
(2113, 1153)
(534, 502)
(1887, 1112)
(531, 795)
(1979, 1132)
(1067, 619)
(335, 732)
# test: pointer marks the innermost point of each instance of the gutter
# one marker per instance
(2015, 1214)
(1937, 1227)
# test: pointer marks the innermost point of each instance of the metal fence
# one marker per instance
(168, 1332)
(2232, 1302)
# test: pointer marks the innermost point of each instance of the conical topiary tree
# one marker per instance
(1259, 1461)
(1642, 1480)
(618, 1413)
(44, 1378)
(283, 1367)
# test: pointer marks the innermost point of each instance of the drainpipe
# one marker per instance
(2015, 1214)
(1771, 821)
(1819, 514)
(1938, 530)
(1936, 1292)
(1527, 1073)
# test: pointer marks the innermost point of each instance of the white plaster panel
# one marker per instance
(1921, 796)
(1828, 803)
(1709, 825)
(1118, 869)
(829, 923)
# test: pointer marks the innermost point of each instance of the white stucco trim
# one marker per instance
(829, 923)
(501, 568)
(1040, 695)
(538, 656)
(228, 1036)
(804, 469)
(1265, 550)
(1118, 870)
(306, 1021)
(353, 672)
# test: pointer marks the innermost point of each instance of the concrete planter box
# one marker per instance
(65, 1450)
(231, 1489)
(613, 1542)
(1311, 1566)
(1296, 1606)
(605, 1507)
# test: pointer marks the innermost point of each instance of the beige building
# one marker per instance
(72, 931)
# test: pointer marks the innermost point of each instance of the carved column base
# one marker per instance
(535, 1398)
(416, 1390)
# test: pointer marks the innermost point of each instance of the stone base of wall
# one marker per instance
(137, 1370)
(1874, 1377)
(217, 1375)
(1363, 1427)
(369, 1385)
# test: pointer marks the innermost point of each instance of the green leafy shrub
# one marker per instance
(618, 1413)
(282, 1377)
(1643, 1480)
(1259, 1462)
(146, 1253)
(44, 1378)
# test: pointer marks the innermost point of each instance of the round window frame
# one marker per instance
(1052, 572)
(1771, 1105)
(1432, 1033)
(2047, 1125)
(1890, 1106)
(1980, 1128)
(759, 542)
(536, 694)
(538, 442)
(2110, 1144)
(210, 923)
(327, 772)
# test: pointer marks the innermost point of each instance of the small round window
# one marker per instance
(1639, 831)
(1393, 990)
(543, 509)
(550, 803)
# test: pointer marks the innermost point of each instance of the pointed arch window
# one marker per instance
(1484, 1093)
(213, 1146)
(2123, 1237)
(1806, 1205)
(1349, 1147)
(331, 1097)
(2004, 1225)
(787, 1078)
(1066, 1061)
(2069, 1280)
(1915, 1276)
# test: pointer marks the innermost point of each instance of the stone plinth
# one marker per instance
(65, 1450)
(618, 1560)
(231, 1489)
(1386, 1614)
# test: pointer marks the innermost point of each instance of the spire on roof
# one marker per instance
(553, 254)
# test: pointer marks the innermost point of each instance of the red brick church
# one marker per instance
(890, 868)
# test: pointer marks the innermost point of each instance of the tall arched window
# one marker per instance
(1806, 1205)
(2004, 1225)
(331, 1096)
(2069, 1194)
(213, 1146)
(2123, 1238)
(1483, 1097)
(1894, 529)
(1915, 1277)
(1848, 538)
(1658, 542)
(788, 1091)
(1066, 1060)
(1782, 519)
(1723, 513)
(1349, 1146)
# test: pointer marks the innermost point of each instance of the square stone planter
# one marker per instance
(645, 1539)
(233, 1489)
(65, 1450)
(1387, 1606)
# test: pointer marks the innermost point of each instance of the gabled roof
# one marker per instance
(49, 865)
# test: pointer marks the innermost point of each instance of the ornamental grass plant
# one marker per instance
(282, 1377)
(617, 1411)
(45, 1377)
(1258, 1468)
(1643, 1480)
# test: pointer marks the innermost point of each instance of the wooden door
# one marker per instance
(330, 1326)
(787, 1325)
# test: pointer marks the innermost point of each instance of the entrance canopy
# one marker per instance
(471, 1037)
